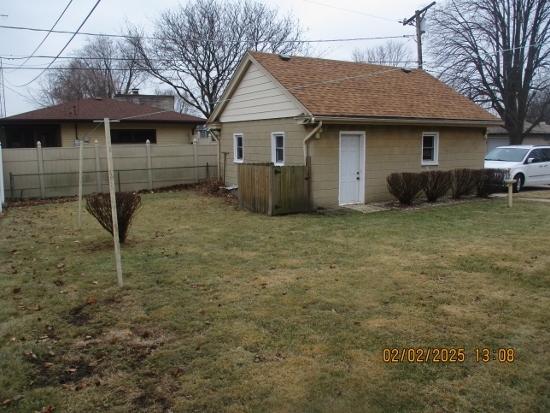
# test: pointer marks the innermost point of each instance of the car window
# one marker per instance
(506, 154)
(546, 152)
(537, 155)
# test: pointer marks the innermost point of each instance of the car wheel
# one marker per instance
(520, 181)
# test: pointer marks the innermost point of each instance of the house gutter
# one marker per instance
(404, 121)
(309, 136)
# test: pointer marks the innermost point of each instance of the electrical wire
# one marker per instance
(47, 34)
(351, 11)
(66, 44)
(122, 36)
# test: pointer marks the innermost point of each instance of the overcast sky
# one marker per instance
(322, 19)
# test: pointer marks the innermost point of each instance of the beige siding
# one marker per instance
(258, 97)
(257, 143)
(390, 149)
(167, 134)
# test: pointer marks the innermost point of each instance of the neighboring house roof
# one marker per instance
(332, 88)
(541, 129)
(94, 109)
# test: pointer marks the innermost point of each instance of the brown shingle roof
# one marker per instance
(93, 109)
(347, 89)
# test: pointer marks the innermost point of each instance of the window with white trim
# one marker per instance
(430, 148)
(278, 148)
(238, 147)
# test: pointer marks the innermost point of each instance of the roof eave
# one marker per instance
(407, 121)
(36, 121)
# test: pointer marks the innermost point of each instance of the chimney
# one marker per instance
(163, 102)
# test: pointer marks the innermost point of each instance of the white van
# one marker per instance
(528, 164)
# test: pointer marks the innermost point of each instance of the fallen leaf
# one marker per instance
(91, 300)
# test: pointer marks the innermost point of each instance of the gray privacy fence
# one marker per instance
(53, 172)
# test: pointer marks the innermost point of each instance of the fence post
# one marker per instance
(195, 161)
(207, 171)
(2, 197)
(149, 170)
(40, 160)
(12, 186)
(97, 167)
(118, 180)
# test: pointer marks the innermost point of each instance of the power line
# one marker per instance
(197, 39)
(350, 10)
(47, 34)
(66, 44)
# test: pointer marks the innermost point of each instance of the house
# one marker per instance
(67, 123)
(354, 123)
(498, 136)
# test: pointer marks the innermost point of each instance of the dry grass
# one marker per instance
(535, 193)
(229, 311)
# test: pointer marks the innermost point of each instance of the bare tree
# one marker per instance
(497, 53)
(540, 106)
(391, 53)
(102, 68)
(196, 47)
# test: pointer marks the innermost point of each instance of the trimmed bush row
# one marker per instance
(407, 186)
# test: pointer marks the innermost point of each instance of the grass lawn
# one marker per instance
(224, 310)
(538, 193)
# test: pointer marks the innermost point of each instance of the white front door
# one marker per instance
(352, 168)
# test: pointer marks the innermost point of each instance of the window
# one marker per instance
(506, 155)
(538, 156)
(430, 148)
(278, 148)
(238, 153)
(119, 136)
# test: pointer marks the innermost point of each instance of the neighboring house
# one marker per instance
(67, 123)
(498, 136)
(355, 123)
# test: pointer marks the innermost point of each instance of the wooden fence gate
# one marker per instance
(274, 190)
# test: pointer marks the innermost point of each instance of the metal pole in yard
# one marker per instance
(112, 194)
(80, 162)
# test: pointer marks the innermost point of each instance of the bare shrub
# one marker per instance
(211, 186)
(464, 182)
(436, 184)
(127, 203)
(490, 181)
(405, 186)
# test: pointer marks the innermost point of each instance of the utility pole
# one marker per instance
(416, 21)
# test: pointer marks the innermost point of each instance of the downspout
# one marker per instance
(216, 138)
(309, 136)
